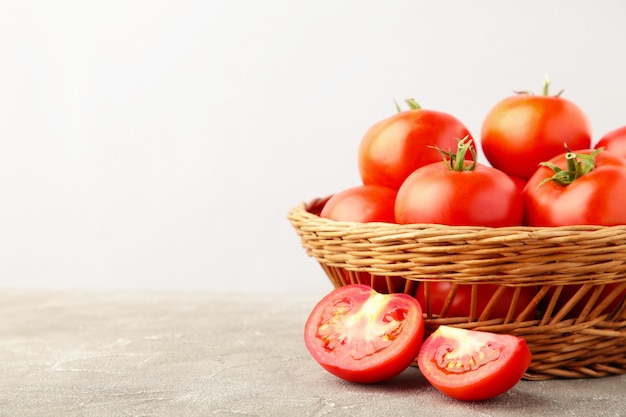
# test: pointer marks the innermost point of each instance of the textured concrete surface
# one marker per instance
(184, 354)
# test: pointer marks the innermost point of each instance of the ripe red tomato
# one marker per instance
(459, 194)
(523, 130)
(363, 203)
(614, 141)
(363, 336)
(394, 147)
(472, 365)
(590, 191)
(460, 304)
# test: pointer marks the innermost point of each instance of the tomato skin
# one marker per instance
(614, 141)
(506, 359)
(363, 203)
(363, 336)
(460, 305)
(523, 130)
(395, 147)
(436, 194)
(596, 198)
(520, 183)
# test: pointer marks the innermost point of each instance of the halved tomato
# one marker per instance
(472, 365)
(363, 336)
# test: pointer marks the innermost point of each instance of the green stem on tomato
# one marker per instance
(545, 91)
(398, 109)
(546, 88)
(413, 105)
(577, 166)
(456, 161)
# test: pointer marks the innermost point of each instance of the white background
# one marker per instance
(160, 144)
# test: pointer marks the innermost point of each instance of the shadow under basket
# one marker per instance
(575, 321)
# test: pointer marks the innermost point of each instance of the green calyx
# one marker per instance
(456, 161)
(577, 166)
(545, 92)
(413, 105)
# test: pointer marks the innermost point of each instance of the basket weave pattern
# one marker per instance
(399, 258)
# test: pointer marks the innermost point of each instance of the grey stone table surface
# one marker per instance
(81, 353)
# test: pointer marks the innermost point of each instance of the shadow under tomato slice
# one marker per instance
(472, 365)
(364, 336)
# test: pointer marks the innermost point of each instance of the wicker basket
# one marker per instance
(398, 258)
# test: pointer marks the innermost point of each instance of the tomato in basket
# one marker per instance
(578, 188)
(456, 192)
(438, 292)
(584, 187)
(614, 141)
(363, 336)
(396, 146)
(472, 365)
(525, 129)
(364, 203)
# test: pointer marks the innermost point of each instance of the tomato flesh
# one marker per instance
(364, 336)
(472, 365)
(450, 360)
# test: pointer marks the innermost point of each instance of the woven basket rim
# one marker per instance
(304, 208)
(603, 249)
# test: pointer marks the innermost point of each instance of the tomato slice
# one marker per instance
(364, 336)
(472, 365)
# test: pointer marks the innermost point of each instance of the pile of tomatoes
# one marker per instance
(420, 166)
